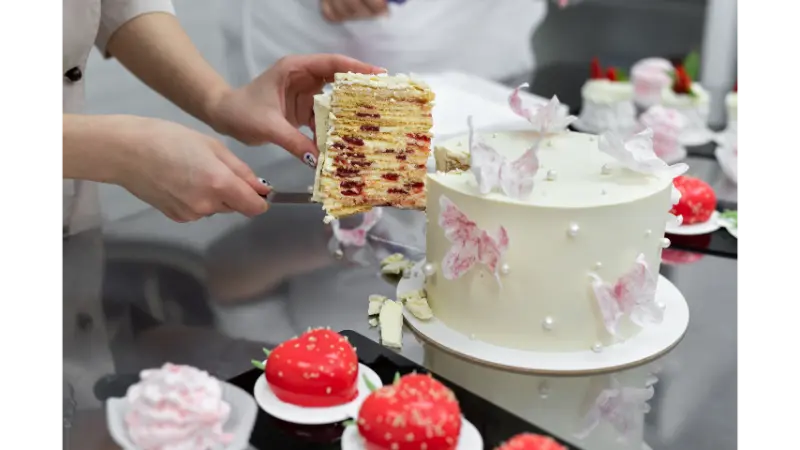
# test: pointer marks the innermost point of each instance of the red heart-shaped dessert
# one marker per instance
(416, 412)
(698, 200)
(530, 441)
(317, 369)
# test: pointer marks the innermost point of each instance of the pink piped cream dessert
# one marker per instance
(177, 408)
(667, 125)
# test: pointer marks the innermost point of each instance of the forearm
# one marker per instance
(94, 146)
(155, 48)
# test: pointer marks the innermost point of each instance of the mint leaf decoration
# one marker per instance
(266, 352)
(622, 75)
(692, 65)
(396, 377)
(370, 386)
(257, 364)
(731, 216)
(349, 423)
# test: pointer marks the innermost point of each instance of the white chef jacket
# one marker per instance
(487, 38)
(87, 23)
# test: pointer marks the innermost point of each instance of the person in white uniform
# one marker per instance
(490, 39)
(181, 172)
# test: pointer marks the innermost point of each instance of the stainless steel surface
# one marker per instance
(212, 293)
(288, 197)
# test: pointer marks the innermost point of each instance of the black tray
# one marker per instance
(495, 424)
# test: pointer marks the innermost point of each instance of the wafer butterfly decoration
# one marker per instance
(548, 119)
(470, 244)
(621, 407)
(636, 153)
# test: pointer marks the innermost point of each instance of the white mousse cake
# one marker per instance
(607, 105)
(541, 268)
(694, 108)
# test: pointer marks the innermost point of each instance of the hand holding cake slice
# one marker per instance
(374, 136)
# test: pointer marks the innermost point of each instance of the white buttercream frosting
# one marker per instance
(607, 106)
(611, 209)
(607, 91)
(177, 408)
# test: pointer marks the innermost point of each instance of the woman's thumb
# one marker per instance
(294, 141)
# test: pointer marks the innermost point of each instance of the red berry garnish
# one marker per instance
(611, 74)
(596, 69)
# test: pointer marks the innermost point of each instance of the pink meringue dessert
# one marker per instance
(177, 408)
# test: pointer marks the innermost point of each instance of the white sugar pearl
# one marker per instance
(648, 233)
(548, 323)
(338, 254)
(597, 347)
(598, 265)
(606, 169)
(665, 243)
(552, 175)
(573, 229)
(505, 269)
(429, 270)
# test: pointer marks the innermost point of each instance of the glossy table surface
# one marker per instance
(213, 293)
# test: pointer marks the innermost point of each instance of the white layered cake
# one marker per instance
(607, 105)
(598, 412)
(568, 266)
(694, 108)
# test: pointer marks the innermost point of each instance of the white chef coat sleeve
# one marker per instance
(115, 13)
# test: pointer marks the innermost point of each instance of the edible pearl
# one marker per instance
(598, 265)
(661, 305)
(606, 169)
(551, 175)
(338, 254)
(428, 269)
(665, 243)
(505, 269)
(597, 347)
(648, 233)
(573, 229)
(544, 389)
(547, 323)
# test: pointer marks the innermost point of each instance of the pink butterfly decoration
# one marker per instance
(633, 295)
(471, 245)
(357, 236)
(636, 153)
(492, 170)
(622, 407)
(548, 119)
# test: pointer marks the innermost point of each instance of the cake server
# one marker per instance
(288, 197)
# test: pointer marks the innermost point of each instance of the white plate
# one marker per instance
(240, 422)
(651, 342)
(273, 406)
(734, 231)
(709, 226)
(468, 439)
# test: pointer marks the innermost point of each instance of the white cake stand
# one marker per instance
(652, 342)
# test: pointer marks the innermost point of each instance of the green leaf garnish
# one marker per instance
(370, 386)
(257, 364)
(396, 377)
(731, 216)
(349, 423)
(266, 352)
(622, 75)
(692, 65)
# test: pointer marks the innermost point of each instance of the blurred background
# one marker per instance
(213, 292)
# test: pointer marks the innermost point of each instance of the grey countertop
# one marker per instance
(212, 293)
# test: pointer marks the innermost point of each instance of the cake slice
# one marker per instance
(374, 136)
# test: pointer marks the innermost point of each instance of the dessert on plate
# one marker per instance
(607, 101)
(317, 369)
(374, 135)
(530, 441)
(556, 237)
(414, 412)
(698, 200)
(177, 407)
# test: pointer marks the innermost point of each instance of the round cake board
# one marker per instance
(652, 342)
(709, 226)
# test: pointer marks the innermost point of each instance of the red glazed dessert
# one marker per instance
(530, 441)
(416, 412)
(317, 369)
(698, 200)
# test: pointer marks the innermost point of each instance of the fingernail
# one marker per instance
(310, 159)
(264, 182)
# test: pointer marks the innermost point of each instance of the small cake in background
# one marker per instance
(374, 137)
(698, 200)
(732, 106)
(689, 98)
(530, 441)
(177, 407)
(666, 125)
(317, 369)
(607, 101)
(650, 77)
(415, 412)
